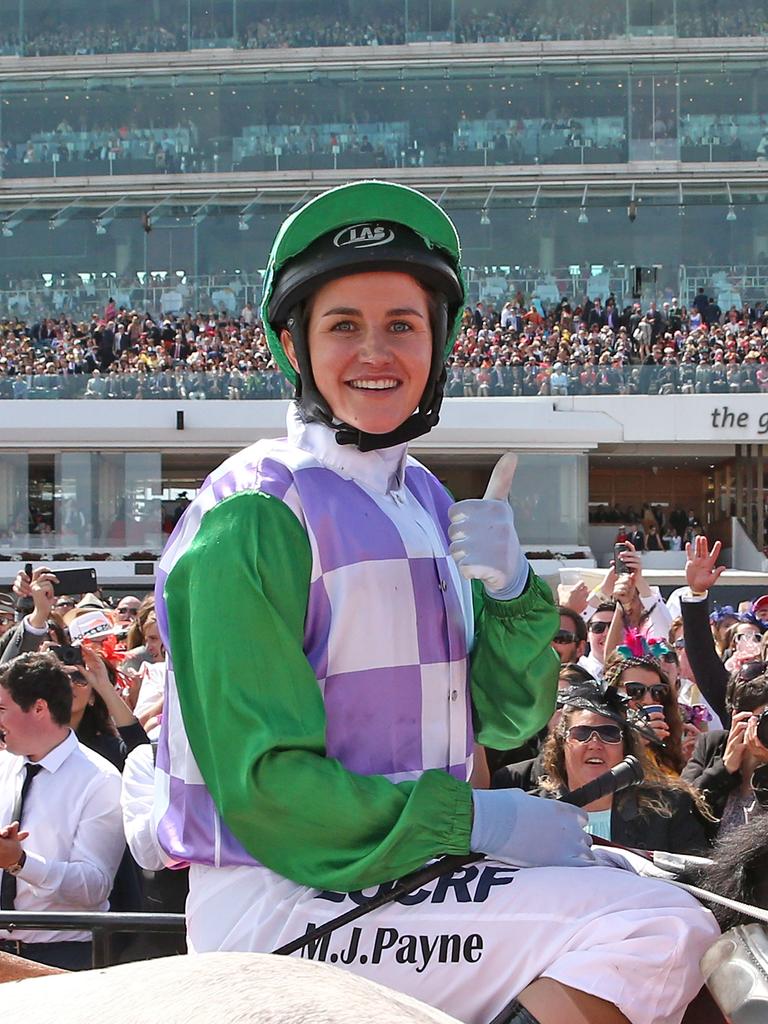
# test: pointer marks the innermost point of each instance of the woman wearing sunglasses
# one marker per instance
(592, 737)
(637, 675)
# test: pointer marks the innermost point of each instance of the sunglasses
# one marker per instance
(605, 733)
(599, 627)
(679, 644)
(64, 604)
(754, 637)
(133, 612)
(564, 637)
(636, 691)
(669, 657)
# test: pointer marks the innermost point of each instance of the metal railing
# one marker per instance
(507, 381)
(102, 926)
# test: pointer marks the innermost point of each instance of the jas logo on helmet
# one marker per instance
(363, 236)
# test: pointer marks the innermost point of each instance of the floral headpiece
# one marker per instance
(637, 646)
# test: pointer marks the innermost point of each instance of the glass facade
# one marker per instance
(34, 28)
(363, 119)
(543, 247)
(65, 504)
(550, 498)
(79, 502)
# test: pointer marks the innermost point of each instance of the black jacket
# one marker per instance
(710, 673)
(684, 831)
(18, 641)
(707, 772)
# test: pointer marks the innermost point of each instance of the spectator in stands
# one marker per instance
(142, 642)
(570, 641)
(593, 736)
(727, 765)
(100, 717)
(35, 628)
(61, 844)
(639, 607)
(597, 633)
(7, 614)
(638, 675)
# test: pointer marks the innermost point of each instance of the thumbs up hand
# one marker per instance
(484, 542)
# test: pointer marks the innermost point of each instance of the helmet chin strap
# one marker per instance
(315, 408)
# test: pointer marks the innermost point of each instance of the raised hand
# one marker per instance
(701, 570)
(484, 542)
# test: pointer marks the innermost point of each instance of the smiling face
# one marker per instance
(598, 636)
(585, 761)
(17, 725)
(370, 343)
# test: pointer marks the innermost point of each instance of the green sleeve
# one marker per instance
(254, 714)
(514, 668)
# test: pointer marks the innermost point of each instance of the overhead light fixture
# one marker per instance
(731, 215)
(7, 231)
(242, 223)
(485, 220)
(100, 228)
(681, 201)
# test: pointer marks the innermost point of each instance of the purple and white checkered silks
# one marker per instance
(388, 628)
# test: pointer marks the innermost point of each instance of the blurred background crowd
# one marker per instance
(520, 348)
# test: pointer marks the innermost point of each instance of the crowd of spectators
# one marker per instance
(595, 348)
(680, 683)
(650, 528)
(103, 698)
(516, 21)
(523, 348)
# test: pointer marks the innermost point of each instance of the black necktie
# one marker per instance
(8, 884)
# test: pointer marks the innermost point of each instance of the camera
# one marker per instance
(68, 654)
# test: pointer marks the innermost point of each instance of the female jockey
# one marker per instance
(333, 657)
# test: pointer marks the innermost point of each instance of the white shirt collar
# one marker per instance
(55, 758)
(382, 470)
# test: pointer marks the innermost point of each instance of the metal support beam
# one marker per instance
(15, 217)
(760, 498)
(749, 469)
(105, 217)
(60, 217)
(201, 212)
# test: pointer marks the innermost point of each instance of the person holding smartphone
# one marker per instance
(35, 628)
(639, 607)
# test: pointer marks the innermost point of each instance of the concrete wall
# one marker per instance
(697, 421)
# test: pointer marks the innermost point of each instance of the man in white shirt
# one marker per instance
(597, 632)
(61, 833)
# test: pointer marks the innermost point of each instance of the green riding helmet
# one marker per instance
(355, 229)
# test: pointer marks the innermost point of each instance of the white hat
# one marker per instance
(90, 626)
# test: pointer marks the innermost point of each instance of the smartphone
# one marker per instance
(71, 581)
(67, 654)
(76, 581)
(620, 567)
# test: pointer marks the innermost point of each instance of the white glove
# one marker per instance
(529, 831)
(484, 542)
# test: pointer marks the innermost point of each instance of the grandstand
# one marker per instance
(615, 150)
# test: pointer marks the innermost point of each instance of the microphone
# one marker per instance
(628, 772)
